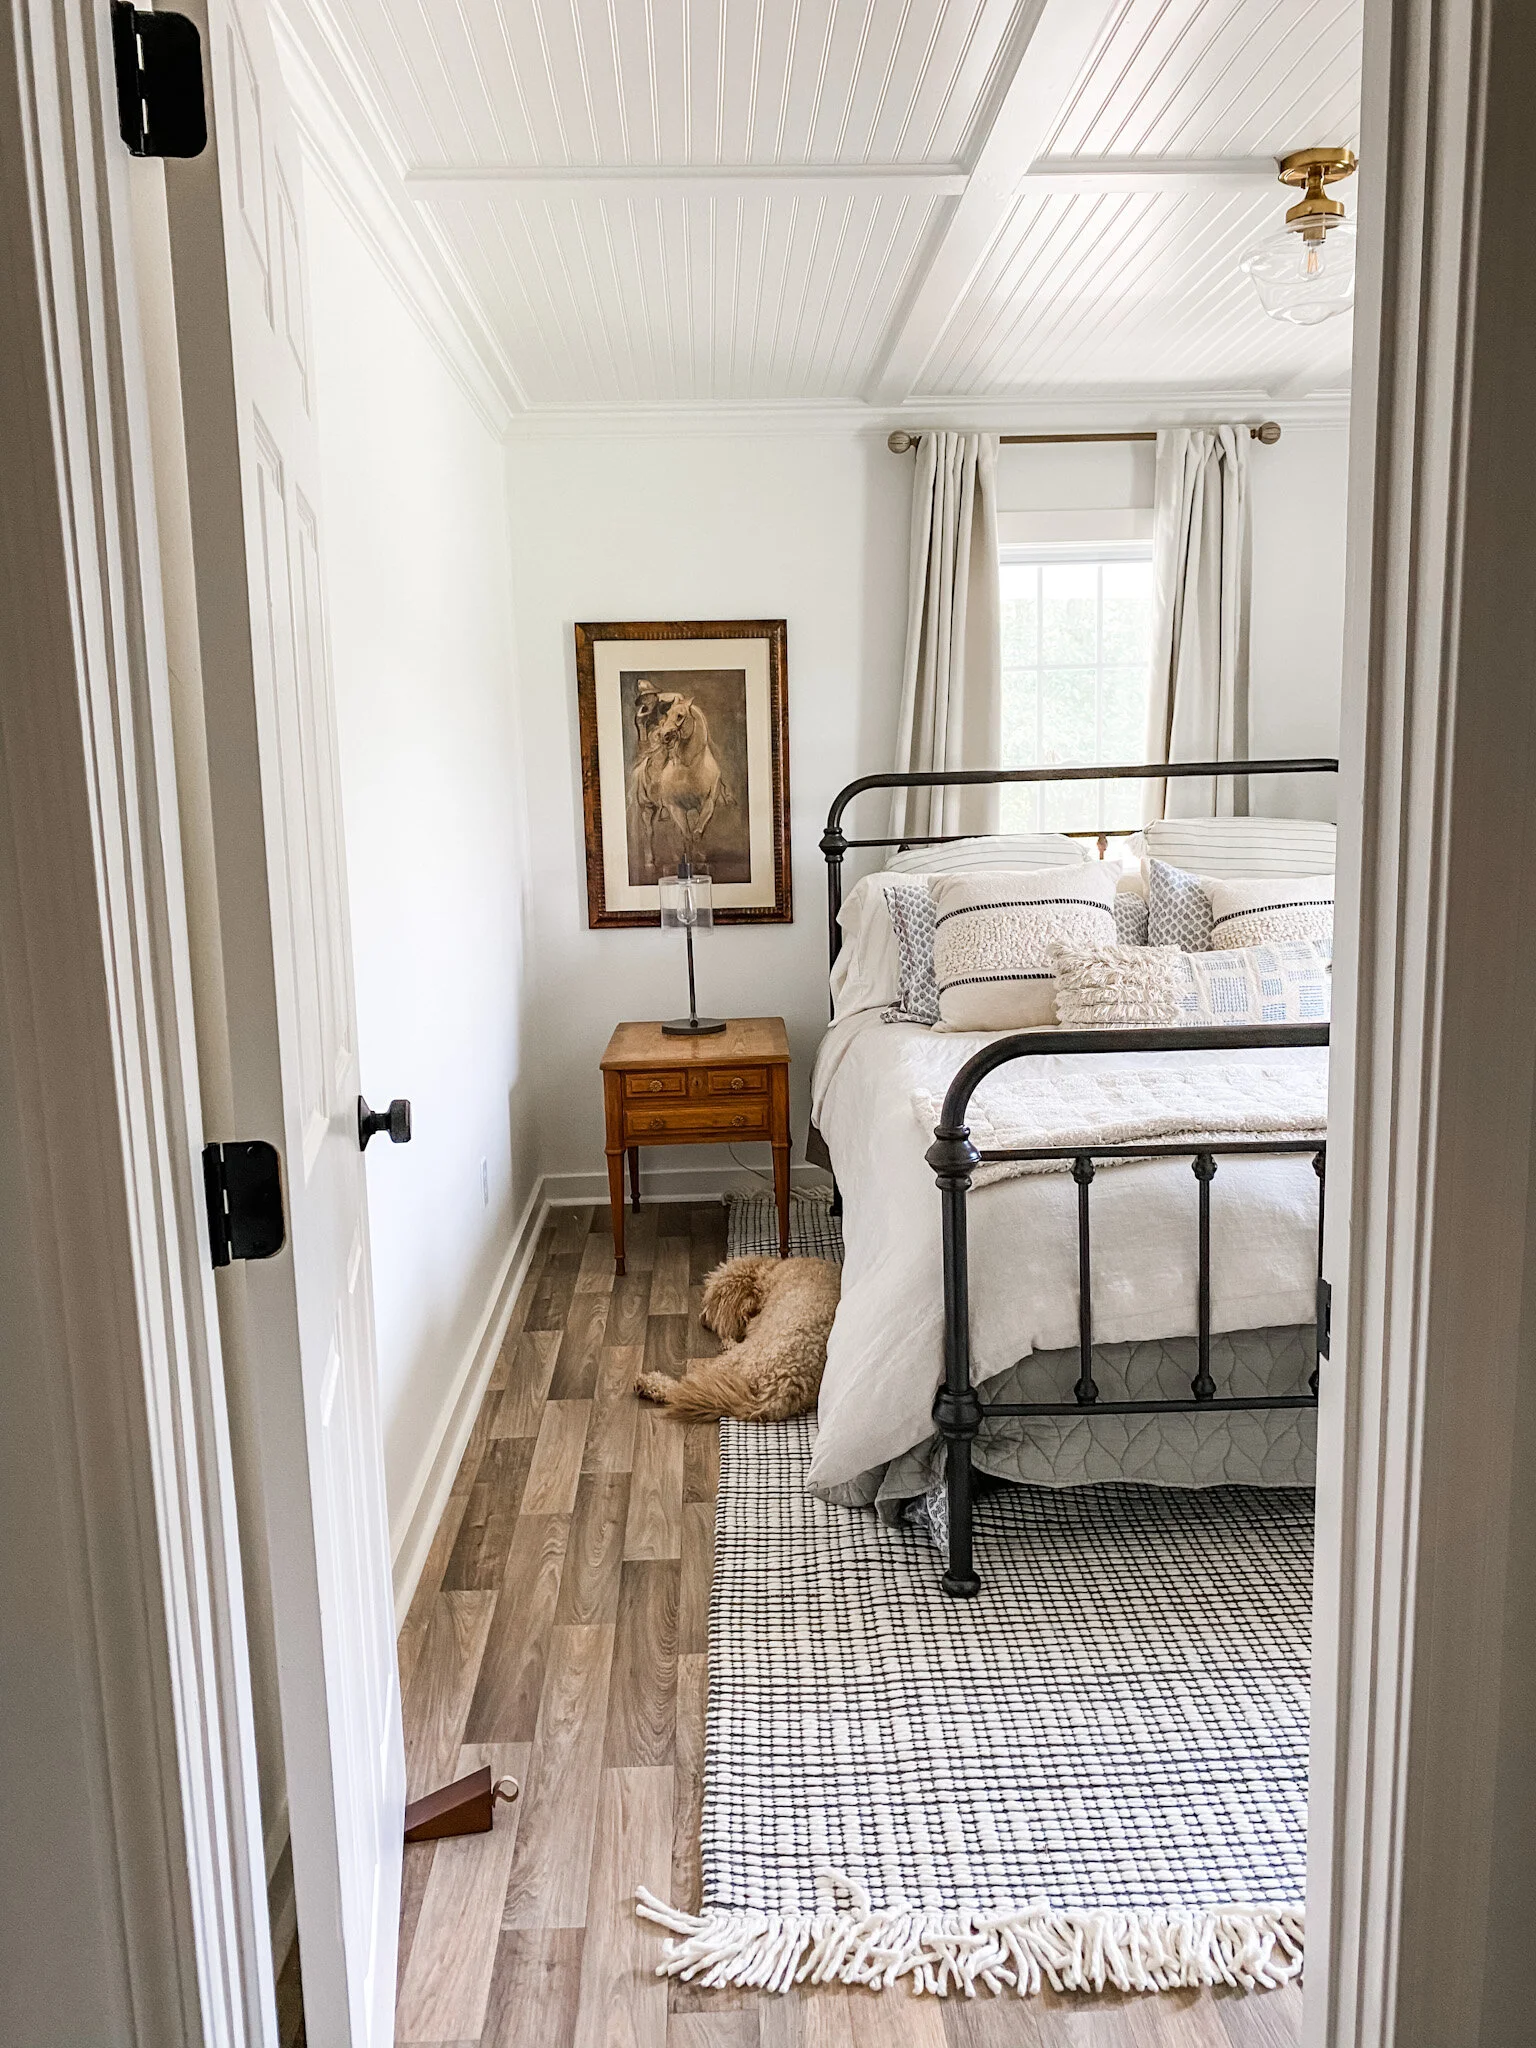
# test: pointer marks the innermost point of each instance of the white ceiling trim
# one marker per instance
(696, 181)
(346, 148)
(1147, 173)
(1079, 413)
(1064, 37)
(832, 181)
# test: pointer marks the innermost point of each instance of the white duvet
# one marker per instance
(885, 1354)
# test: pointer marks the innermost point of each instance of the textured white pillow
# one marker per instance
(1241, 846)
(1017, 852)
(993, 933)
(1126, 986)
(867, 972)
(1258, 913)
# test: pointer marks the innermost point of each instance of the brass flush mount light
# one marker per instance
(1305, 271)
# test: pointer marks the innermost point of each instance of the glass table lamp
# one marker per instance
(686, 901)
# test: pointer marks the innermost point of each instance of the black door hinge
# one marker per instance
(158, 58)
(1324, 1316)
(243, 1183)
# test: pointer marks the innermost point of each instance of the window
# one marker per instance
(1077, 654)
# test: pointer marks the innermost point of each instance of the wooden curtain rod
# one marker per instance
(902, 443)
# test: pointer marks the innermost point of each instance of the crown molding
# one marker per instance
(346, 146)
(1074, 412)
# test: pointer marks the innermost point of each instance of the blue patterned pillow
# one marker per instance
(1289, 982)
(1130, 918)
(912, 920)
(1178, 909)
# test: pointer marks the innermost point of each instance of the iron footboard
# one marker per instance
(958, 1410)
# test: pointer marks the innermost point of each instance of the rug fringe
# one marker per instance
(1121, 1948)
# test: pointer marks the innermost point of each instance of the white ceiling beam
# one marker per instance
(698, 181)
(1147, 173)
(1044, 72)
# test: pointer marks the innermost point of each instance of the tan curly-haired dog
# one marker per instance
(773, 1315)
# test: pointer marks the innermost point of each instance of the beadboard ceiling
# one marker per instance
(903, 203)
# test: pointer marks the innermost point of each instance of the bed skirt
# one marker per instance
(1268, 1447)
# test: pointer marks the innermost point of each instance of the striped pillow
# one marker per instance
(1249, 913)
(992, 940)
(1241, 846)
(1015, 851)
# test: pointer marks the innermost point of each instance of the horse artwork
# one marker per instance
(687, 780)
(684, 757)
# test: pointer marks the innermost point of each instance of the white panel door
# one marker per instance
(303, 1318)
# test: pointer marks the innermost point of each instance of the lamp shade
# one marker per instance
(687, 899)
(1304, 280)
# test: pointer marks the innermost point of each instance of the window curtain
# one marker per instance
(952, 679)
(1198, 708)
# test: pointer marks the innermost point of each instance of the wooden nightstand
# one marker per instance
(725, 1089)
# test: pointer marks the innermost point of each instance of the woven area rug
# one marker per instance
(1093, 1774)
(752, 1228)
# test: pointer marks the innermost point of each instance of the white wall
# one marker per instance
(810, 528)
(421, 649)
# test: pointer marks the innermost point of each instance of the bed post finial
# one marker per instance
(833, 847)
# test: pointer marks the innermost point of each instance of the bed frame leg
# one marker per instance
(959, 1422)
(956, 1408)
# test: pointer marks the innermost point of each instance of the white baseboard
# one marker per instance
(411, 1537)
(680, 1184)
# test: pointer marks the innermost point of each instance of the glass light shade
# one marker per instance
(687, 899)
(1304, 281)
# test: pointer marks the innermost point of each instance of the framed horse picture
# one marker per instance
(685, 757)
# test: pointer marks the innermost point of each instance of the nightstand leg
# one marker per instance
(634, 1177)
(781, 1195)
(616, 1205)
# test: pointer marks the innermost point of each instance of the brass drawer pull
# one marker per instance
(655, 1087)
(737, 1082)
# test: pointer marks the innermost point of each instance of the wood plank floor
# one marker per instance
(559, 1633)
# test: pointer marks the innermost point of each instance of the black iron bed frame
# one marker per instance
(958, 1411)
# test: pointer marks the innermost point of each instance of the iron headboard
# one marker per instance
(834, 846)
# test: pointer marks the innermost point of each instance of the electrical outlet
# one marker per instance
(485, 1184)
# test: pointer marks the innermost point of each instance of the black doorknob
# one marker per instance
(396, 1120)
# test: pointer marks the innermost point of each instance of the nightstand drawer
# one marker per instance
(737, 1080)
(722, 1118)
(656, 1084)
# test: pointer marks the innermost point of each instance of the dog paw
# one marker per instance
(654, 1386)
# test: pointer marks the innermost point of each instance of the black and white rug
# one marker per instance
(752, 1228)
(1093, 1774)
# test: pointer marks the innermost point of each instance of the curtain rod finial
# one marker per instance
(899, 441)
(1268, 431)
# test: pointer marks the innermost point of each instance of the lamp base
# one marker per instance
(693, 1027)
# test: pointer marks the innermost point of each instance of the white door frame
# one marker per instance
(1423, 1831)
(97, 988)
(1421, 1857)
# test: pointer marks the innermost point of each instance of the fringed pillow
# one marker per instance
(1133, 986)
(993, 933)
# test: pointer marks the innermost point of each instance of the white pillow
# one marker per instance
(992, 935)
(1260, 913)
(1015, 851)
(867, 972)
(1131, 986)
(1241, 846)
